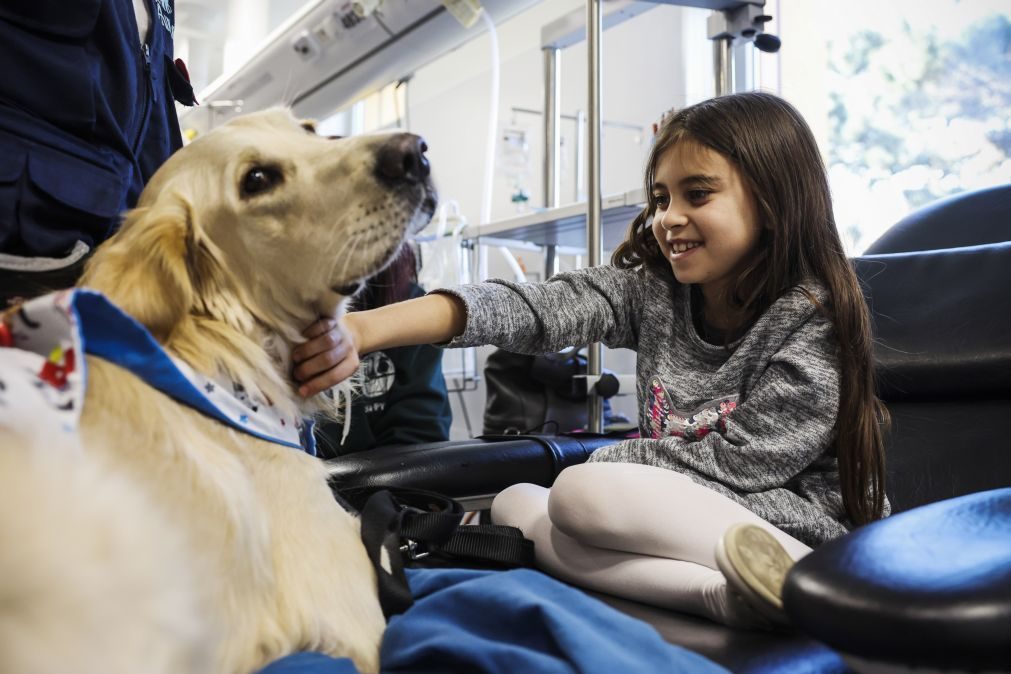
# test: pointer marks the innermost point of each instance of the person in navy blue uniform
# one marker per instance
(402, 398)
(87, 114)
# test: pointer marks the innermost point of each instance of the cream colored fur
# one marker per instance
(93, 577)
(220, 552)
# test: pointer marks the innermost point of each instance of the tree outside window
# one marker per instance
(913, 104)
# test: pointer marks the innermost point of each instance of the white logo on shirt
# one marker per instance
(378, 372)
(165, 15)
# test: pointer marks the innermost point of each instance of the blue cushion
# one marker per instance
(310, 663)
(967, 219)
(504, 622)
(521, 621)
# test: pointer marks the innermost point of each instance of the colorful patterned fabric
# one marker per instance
(44, 375)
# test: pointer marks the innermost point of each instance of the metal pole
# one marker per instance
(723, 65)
(594, 204)
(552, 143)
(552, 121)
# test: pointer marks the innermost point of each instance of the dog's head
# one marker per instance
(263, 225)
(269, 213)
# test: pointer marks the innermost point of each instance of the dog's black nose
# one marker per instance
(402, 157)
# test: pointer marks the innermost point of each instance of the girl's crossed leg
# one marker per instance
(639, 532)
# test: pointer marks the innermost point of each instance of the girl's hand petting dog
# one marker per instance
(332, 353)
(326, 359)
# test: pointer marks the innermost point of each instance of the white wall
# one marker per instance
(644, 73)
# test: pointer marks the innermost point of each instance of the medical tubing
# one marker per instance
(489, 160)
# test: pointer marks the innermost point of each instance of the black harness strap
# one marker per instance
(410, 524)
(381, 523)
(493, 543)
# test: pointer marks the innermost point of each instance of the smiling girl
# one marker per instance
(760, 431)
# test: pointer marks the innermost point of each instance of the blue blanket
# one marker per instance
(504, 622)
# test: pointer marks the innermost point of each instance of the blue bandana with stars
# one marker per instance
(51, 333)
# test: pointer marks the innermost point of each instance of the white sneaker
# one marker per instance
(755, 566)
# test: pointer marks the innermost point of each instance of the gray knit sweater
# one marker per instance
(754, 423)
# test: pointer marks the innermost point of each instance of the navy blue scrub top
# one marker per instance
(87, 115)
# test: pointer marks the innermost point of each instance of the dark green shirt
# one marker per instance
(402, 399)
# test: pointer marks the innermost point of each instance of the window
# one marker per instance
(910, 100)
(382, 110)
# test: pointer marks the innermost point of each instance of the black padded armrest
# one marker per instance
(930, 587)
(941, 322)
(966, 219)
(467, 468)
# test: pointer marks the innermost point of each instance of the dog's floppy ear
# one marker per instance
(144, 268)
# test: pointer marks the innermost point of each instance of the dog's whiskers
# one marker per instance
(353, 248)
(355, 243)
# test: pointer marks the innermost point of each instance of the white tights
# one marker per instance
(634, 531)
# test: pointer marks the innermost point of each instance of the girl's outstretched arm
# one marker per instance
(334, 346)
(432, 319)
(571, 309)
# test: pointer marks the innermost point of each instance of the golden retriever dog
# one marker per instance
(167, 541)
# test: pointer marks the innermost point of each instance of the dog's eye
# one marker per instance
(309, 126)
(260, 179)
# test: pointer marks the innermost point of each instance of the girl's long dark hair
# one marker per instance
(770, 143)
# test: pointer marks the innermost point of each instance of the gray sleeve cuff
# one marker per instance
(478, 302)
